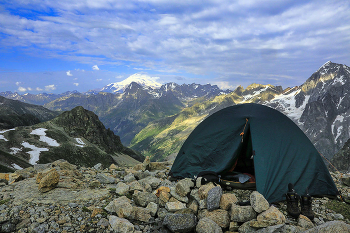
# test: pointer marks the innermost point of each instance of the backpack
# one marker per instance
(209, 176)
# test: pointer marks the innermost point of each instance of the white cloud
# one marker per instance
(22, 89)
(38, 89)
(76, 84)
(69, 73)
(99, 79)
(29, 89)
(18, 83)
(50, 87)
(95, 67)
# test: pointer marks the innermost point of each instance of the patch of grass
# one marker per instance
(339, 207)
(85, 209)
(4, 201)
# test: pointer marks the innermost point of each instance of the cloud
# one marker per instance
(76, 84)
(29, 89)
(18, 83)
(51, 87)
(38, 89)
(185, 37)
(22, 89)
(99, 79)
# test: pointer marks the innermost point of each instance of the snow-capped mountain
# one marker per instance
(143, 80)
(321, 107)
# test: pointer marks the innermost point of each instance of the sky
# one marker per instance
(56, 46)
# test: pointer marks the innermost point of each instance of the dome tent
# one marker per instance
(276, 149)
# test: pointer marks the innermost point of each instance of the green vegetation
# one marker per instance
(4, 201)
(339, 207)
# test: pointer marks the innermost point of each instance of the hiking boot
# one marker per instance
(292, 202)
(306, 206)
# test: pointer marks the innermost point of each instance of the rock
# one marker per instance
(98, 166)
(162, 212)
(195, 195)
(153, 208)
(304, 222)
(49, 181)
(227, 200)
(121, 206)
(129, 178)
(246, 228)
(14, 177)
(183, 187)
(94, 184)
(153, 166)
(41, 167)
(140, 214)
(27, 172)
(180, 222)
(104, 179)
(199, 182)
(96, 211)
(345, 179)
(193, 205)
(66, 166)
(272, 216)
(233, 226)
(242, 213)
(258, 202)
(332, 226)
(122, 189)
(204, 189)
(221, 217)
(213, 198)
(113, 167)
(141, 175)
(152, 181)
(177, 196)
(120, 225)
(164, 197)
(135, 185)
(174, 206)
(143, 198)
(206, 225)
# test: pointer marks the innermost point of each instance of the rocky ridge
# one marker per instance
(60, 197)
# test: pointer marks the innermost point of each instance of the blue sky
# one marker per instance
(56, 46)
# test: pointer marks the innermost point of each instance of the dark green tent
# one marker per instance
(274, 147)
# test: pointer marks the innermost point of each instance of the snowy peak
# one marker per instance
(141, 79)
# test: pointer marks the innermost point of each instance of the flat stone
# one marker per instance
(177, 196)
(213, 198)
(174, 206)
(122, 189)
(332, 226)
(304, 222)
(120, 225)
(273, 216)
(143, 198)
(258, 202)
(220, 217)
(183, 187)
(206, 225)
(180, 222)
(49, 182)
(227, 200)
(242, 213)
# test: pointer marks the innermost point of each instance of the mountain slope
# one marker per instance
(15, 113)
(76, 136)
(321, 107)
(39, 99)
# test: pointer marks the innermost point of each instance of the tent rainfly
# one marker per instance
(259, 140)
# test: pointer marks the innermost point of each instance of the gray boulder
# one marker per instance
(214, 197)
(206, 225)
(180, 222)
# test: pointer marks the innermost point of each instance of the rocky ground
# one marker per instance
(59, 197)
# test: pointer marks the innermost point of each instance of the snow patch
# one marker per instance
(80, 142)
(339, 80)
(15, 150)
(41, 132)
(17, 167)
(338, 119)
(255, 93)
(35, 153)
(287, 103)
(3, 138)
(4, 131)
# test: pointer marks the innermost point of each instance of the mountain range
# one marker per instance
(77, 136)
(155, 119)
